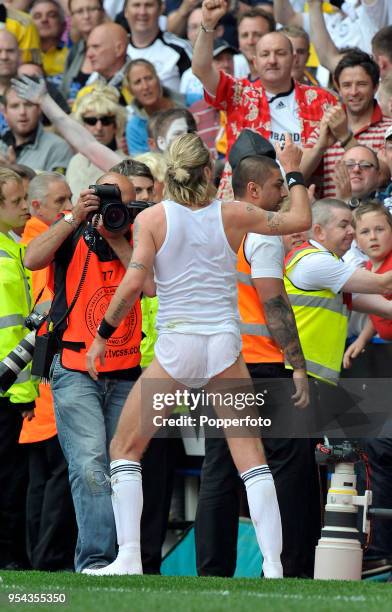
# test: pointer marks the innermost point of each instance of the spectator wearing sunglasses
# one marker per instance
(357, 175)
(100, 113)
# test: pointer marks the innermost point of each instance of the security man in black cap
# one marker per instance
(269, 337)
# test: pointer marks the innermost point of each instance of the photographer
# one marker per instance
(18, 401)
(87, 411)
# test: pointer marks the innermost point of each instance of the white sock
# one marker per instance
(127, 500)
(265, 515)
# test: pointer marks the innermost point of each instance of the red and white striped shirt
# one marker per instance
(371, 135)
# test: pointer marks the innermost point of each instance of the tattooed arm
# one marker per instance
(124, 250)
(126, 294)
(281, 321)
(281, 324)
(297, 219)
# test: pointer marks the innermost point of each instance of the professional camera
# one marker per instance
(347, 451)
(116, 216)
(22, 354)
(339, 551)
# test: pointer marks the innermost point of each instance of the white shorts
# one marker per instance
(194, 359)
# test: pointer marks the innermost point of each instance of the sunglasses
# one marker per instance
(105, 120)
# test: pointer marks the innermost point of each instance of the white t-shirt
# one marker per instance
(167, 52)
(191, 87)
(265, 255)
(321, 271)
(357, 28)
(355, 256)
(284, 117)
(241, 66)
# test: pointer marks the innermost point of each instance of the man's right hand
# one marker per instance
(301, 383)
(212, 11)
(326, 137)
(290, 156)
(29, 89)
(87, 204)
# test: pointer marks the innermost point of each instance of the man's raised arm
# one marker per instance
(327, 52)
(202, 65)
(286, 15)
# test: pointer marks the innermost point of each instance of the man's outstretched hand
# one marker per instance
(30, 89)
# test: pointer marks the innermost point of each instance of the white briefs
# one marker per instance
(194, 359)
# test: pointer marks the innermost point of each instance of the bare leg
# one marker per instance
(136, 427)
(134, 431)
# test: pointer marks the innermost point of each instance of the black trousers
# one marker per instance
(13, 483)
(50, 519)
(158, 467)
(293, 466)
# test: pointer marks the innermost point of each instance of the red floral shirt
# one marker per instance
(247, 106)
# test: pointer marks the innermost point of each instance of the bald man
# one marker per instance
(9, 58)
(277, 105)
(107, 53)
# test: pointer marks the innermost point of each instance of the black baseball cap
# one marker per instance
(220, 45)
(248, 144)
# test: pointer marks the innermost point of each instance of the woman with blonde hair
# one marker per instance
(190, 242)
(100, 113)
(157, 165)
(149, 96)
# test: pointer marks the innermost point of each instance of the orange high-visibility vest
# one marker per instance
(257, 344)
(43, 425)
(101, 282)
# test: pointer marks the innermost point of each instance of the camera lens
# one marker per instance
(115, 217)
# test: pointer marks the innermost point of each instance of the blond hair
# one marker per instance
(103, 100)
(7, 175)
(186, 181)
(156, 162)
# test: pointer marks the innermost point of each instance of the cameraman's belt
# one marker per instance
(72, 346)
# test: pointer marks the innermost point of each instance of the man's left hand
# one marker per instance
(301, 383)
(342, 181)
(109, 236)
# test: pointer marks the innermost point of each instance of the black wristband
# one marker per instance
(345, 142)
(105, 330)
(294, 178)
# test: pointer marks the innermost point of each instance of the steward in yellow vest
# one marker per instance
(321, 318)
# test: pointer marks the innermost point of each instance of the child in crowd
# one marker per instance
(373, 225)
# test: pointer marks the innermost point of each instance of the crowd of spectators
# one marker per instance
(93, 88)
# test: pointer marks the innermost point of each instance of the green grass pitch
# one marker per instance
(169, 594)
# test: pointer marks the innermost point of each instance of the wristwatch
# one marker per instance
(70, 219)
(353, 202)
